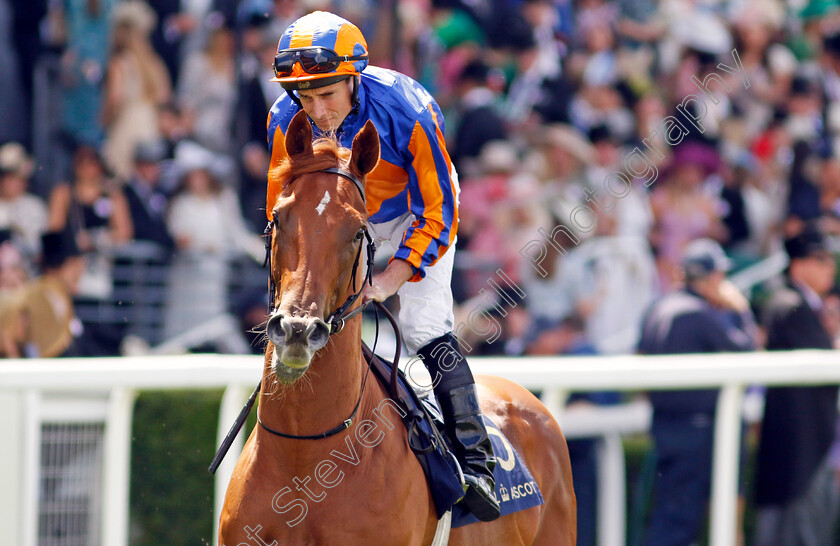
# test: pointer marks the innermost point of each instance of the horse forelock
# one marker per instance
(327, 153)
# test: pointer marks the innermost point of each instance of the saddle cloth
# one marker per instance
(516, 488)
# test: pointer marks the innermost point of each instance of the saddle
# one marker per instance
(516, 488)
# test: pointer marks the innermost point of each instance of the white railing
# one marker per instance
(23, 383)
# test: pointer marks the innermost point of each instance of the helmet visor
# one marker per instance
(313, 60)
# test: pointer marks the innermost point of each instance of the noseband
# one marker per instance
(337, 318)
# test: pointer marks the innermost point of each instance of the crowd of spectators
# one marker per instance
(595, 141)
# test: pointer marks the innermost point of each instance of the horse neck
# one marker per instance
(325, 395)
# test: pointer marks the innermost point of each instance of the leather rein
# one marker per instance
(335, 321)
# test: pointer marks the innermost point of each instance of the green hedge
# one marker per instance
(173, 442)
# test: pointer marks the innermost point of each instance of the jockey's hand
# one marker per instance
(388, 282)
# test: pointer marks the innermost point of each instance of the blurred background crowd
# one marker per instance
(595, 140)
(127, 123)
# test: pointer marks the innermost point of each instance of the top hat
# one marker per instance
(150, 151)
(57, 247)
(807, 243)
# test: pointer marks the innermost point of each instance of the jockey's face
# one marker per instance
(328, 106)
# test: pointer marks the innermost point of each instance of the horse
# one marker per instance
(357, 483)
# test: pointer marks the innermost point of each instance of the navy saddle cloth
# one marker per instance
(515, 489)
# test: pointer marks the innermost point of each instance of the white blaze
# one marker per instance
(323, 204)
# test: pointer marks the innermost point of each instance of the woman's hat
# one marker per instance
(135, 14)
(13, 160)
(695, 153)
(570, 139)
(817, 9)
(191, 156)
(701, 31)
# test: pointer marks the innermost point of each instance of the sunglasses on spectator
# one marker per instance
(313, 60)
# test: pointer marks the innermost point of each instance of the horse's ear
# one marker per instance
(299, 136)
(365, 151)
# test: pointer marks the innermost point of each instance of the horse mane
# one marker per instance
(327, 153)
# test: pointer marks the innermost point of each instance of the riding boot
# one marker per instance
(454, 388)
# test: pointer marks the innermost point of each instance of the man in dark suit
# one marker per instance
(147, 202)
(709, 315)
(480, 120)
(796, 493)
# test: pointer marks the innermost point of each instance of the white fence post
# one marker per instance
(555, 400)
(32, 467)
(612, 491)
(117, 463)
(232, 402)
(727, 449)
(12, 461)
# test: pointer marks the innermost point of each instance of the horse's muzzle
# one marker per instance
(296, 339)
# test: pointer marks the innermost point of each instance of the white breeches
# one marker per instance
(425, 305)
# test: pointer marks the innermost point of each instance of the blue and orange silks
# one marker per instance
(414, 170)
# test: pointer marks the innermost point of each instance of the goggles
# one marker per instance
(313, 60)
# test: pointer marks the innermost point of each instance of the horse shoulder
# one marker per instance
(248, 500)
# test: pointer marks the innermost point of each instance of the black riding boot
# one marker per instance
(455, 390)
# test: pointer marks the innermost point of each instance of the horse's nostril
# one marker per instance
(285, 331)
(295, 330)
(274, 329)
(318, 333)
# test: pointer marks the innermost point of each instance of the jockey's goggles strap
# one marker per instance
(313, 60)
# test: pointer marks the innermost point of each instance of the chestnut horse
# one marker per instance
(362, 485)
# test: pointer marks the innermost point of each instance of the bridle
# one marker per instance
(337, 318)
(335, 321)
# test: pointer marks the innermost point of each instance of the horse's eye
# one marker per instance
(359, 235)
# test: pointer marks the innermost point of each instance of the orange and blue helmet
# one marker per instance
(319, 49)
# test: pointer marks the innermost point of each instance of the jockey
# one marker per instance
(412, 203)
